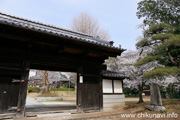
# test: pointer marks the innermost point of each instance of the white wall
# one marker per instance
(107, 86)
(118, 86)
(112, 100)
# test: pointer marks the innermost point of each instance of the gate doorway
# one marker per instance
(60, 98)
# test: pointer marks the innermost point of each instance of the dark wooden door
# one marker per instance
(8, 94)
(89, 92)
(10, 74)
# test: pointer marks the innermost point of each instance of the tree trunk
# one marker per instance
(140, 94)
(46, 82)
(47, 88)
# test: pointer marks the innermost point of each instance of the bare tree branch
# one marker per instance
(86, 24)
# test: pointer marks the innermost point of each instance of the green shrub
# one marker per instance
(131, 95)
(62, 89)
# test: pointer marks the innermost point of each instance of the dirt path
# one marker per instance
(31, 103)
(112, 115)
(118, 114)
(84, 116)
(34, 106)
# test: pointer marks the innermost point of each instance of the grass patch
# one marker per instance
(171, 101)
(130, 105)
(164, 111)
(48, 101)
(34, 88)
(49, 95)
(171, 105)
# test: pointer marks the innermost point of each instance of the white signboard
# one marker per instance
(118, 86)
(81, 79)
(107, 86)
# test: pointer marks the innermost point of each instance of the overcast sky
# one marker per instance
(116, 16)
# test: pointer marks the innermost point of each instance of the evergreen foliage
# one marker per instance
(163, 35)
(159, 11)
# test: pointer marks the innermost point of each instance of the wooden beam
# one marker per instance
(70, 60)
(4, 72)
(53, 68)
(51, 40)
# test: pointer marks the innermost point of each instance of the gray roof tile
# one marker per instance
(113, 74)
(45, 28)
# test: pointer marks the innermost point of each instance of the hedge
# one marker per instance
(52, 89)
(62, 89)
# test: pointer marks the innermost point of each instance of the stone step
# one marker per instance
(34, 114)
(7, 116)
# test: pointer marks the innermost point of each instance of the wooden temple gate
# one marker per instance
(29, 45)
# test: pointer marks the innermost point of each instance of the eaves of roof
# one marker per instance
(53, 30)
(107, 73)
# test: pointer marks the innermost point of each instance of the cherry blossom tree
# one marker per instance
(125, 63)
(48, 76)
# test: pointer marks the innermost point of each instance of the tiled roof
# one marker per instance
(38, 77)
(53, 30)
(60, 79)
(113, 74)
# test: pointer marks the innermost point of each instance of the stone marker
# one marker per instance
(155, 95)
(156, 102)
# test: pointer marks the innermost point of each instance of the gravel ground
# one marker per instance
(111, 115)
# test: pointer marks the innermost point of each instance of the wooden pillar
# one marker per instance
(78, 95)
(23, 89)
(103, 67)
(101, 87)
